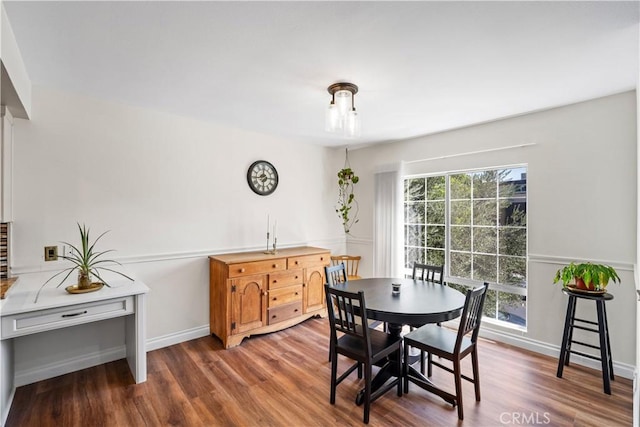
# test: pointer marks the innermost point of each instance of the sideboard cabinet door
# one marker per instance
(248, 303)
(314, 298)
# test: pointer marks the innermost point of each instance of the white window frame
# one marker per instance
(522, 291)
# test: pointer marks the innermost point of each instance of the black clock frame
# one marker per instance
(250, 181)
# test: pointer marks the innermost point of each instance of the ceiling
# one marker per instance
(422, 67)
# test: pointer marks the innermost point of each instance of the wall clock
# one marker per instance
(262, 177)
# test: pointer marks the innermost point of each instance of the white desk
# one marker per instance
(55, 309)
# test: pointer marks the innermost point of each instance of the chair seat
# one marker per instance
(436, 339)
(353, 277)
(381, 342)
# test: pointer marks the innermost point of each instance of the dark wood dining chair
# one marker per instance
(335, 274)
(450, 345)
(348, 317)
(431, 273)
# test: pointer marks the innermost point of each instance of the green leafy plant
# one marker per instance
(86, 262)
(346, 199)
(594, 276)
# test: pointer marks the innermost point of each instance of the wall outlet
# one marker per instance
(50, 253)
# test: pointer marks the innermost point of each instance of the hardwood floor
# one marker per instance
(282, 379)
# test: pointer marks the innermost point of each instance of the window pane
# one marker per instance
(415, 189)
(513, 241)
(435, 212)
(513, 271)
(461, 264)
(513, 212)
(461, 212)
(461, 238)
(435, 236)
(485, 184)
(413, 255)
(484, 268)
(414, 213)
(435, 188)
(415, 235)
(460, 186)
(435, 257)
(513, 182)
(489, 309)
(460, 288)
(484, 240)
(484, 212)
(512, 308)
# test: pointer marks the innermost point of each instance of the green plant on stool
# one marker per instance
(587, 276)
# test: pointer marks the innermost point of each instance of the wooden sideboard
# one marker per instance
(254, 293)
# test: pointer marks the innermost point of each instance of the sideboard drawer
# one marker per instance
(257, 267)
(308, 260)
(283, 296)
(286, 278)
(55, 318)
(284, 312)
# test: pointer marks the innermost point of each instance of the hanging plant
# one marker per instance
(346, 199)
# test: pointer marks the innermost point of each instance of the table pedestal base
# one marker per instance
(388, 370)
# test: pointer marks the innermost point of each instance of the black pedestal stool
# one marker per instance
(602, 330)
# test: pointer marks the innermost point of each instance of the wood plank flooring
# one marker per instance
(282, 379)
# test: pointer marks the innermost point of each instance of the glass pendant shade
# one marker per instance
(343, 102)
(352, 125)
(332, 119)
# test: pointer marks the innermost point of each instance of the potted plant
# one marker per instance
(87, 262)
(586, 276)
(346, 199)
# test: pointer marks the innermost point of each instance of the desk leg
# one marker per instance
(7, 386)
(136, 339)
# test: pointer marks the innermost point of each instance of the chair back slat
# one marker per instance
(471, 314)
(431, 273)
(348, 315)
(335, 274)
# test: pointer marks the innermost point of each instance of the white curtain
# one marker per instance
(387, 219)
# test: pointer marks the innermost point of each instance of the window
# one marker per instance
(475, 223)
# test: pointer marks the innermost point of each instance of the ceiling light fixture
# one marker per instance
(341, 115)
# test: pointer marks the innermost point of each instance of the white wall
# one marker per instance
(582, 202)
(17, 83)
(172, 190)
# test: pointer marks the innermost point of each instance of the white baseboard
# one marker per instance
(69, 365)
(619, 369)
(177, 338)
(105, 356)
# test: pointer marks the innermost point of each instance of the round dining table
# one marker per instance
(416, 303)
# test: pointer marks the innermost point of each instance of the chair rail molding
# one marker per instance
(564, 260)
(170, 256)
